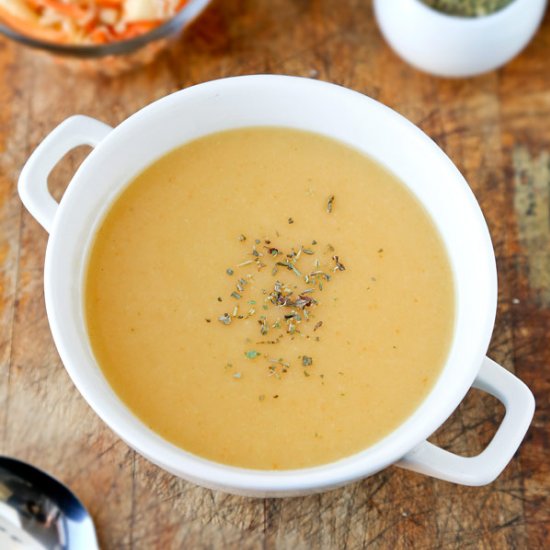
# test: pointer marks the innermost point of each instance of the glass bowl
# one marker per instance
(115, 57)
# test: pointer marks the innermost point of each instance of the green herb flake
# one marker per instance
(236, 295)
(242, 237)
(307, 361)
(263, 325)
(290, 220)
(290, 267)
(229, 271)
(237, 375)
(252, 354)
(330, 204)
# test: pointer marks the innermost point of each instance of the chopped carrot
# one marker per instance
(181, 4)
(83, 21)
(99, 35)
(32, 29)
(71, 10)
(110, 3)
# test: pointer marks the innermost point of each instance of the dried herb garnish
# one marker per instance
(467, 8)
(290, 220)
(237, 375)
(315, 274)
(208, 320)
(290, 267)
(242, 238)
(225, 319)
(271, 250)
(330, 204)
(339, 266)
(304, 301)
(294, 308)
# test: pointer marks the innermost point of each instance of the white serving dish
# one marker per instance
(451, 46)
(119, 154)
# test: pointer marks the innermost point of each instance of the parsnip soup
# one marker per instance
(269, 298)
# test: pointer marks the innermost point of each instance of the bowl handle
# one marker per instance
(519, 402)
(33, 181)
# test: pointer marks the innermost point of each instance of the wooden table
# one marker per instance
(496, 128)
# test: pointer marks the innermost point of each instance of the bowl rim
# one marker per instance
(242, 480)
(181, 19)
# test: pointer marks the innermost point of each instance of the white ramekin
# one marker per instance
(447, 45)
(119, 154)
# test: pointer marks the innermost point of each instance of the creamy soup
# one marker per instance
(269, 298)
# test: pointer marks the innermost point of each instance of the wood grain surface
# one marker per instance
(496, 128)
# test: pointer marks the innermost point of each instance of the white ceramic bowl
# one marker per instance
(119, 154)
(447, 45)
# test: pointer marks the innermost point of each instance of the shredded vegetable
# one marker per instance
(86, 21)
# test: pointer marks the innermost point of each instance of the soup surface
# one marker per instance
(269, 298)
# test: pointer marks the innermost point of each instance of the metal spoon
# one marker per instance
(38, 512)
